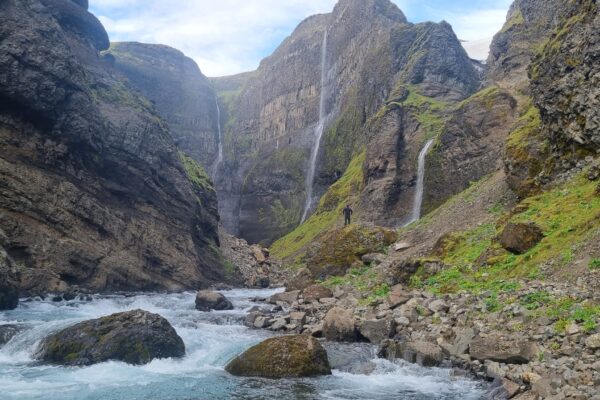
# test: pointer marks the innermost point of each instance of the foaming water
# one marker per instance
(219, 159)
(418, 200)
(211, 340)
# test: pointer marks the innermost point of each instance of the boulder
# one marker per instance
(316, 292)
(397, 296)
(285, 297)
(339, 325)
(518, 238)
(503, 351)
(300, 280)
(504, 389)
(282, 357)
(373, 258)
(135, 337)
(207, 300)
(377, 330)
(400, 271)
(401, 246)
(438, 306)
(419, 352)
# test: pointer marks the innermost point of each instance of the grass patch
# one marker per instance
(329, 211)
(195, 172)
(594, 264)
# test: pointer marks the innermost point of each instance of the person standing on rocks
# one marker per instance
(347, 215)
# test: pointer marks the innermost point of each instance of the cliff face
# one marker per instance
(93, 190)
(181, 93)
(371, 54)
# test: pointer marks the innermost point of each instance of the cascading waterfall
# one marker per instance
(219, 159)
(418, 201)
(310, 177)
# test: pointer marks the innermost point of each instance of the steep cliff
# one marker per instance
(369, 52)
(181, 93)
(93, 190)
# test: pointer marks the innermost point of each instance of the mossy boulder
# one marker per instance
(518, 238)
(339, 249)
(135, 337)
(282, 357)
(207, 300)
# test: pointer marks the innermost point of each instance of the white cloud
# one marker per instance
(231, 36)
(224, 37)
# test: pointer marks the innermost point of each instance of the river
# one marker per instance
(211, 340)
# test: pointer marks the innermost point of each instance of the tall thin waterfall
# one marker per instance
(418, 201)
(310, 177)
(219, 159)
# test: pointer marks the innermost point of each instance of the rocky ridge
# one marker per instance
(94, 192)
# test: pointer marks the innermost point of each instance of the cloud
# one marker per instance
(231, 36)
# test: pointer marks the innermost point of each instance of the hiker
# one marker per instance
(347, 214)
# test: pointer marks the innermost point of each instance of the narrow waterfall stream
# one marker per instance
(418, 201)
(211, 340)
(310, 177)
(219, 159)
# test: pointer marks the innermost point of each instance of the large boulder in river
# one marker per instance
(340, 325)
(207, 300)
(135, 337)
(282, 357)
(519, 238)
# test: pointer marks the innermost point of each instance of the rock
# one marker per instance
(258, 253)
(593, 341)
(573, 329)
(250, 319)
(316, 292)
(373, 258)
(9, 290)
(207, 300)
(300, 280)
(377, 330)
(278, 324)
(519, 238)
(282, 357)
(506, 389)
(401, 246)
(262, 322)
(298, 318)
(503, 351)
(135, 337)
(527, 396)
(530, 377)
(397, 296)
(438, 306)
(339, 325)
(420, 352)
(400, 271)
(285, 297)
(8, 331)
(402, 322)
(543, 387)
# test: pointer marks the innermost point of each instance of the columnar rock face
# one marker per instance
(371, 53)
(181, 93)
(94, 191)
(566, 79)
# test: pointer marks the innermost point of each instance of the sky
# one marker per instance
(230, 36)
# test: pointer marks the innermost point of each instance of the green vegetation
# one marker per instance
(328, 213)
(365, 280)
(569, 215)
(515, 19)
(195, 172)
(119, 94)
(594, 264)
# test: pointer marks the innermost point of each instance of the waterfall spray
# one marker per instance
(310, 177)
(418, 201)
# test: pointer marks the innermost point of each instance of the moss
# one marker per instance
(196, 173)
(345, 191)
(486, 96)
(568, 214)
(515, 19)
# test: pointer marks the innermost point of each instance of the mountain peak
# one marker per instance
(370, 8)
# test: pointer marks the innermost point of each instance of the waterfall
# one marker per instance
(219, 159)
(418, 201)
(310, 177)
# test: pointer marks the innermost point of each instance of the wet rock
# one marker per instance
(9, 331)
(519, 238)
(503, 351)
(316, 292)
(505, 389)
(135, 337)
(282, 357)
(250, 319)
(339, 325)
(377, 330)
(9, 291)
(207, 300)
(285, 297)
(419, 352)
